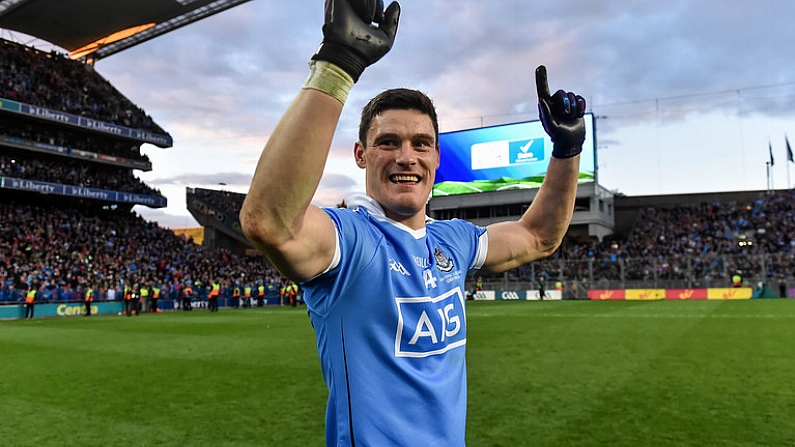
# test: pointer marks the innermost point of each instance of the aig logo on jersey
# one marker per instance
(430, 325)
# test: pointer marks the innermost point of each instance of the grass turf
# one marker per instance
(665, 373)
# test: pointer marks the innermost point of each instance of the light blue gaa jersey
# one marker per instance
(391, 328)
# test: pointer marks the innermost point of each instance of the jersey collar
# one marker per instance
(359, 200)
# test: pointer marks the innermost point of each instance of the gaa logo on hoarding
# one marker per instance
(484, 295)
(510, 295)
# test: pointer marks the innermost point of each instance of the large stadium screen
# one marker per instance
(505, 157)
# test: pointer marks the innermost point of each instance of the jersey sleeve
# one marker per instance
(356, 245)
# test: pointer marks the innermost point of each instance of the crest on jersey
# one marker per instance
(443, 263)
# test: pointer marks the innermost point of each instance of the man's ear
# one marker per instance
(358, 154)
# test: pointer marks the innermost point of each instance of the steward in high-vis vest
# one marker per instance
(142, 305)
(187, 294)
(292, 292)
(155, 297)
(212, 298)
(88, 298)
(247, 296)
(236, 295)
(128, 300)
(737, 279)
(30, 299)
(260, 295)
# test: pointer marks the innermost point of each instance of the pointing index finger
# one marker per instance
(541, 83)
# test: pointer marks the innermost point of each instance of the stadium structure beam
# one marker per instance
(94, 29)
(163, 28)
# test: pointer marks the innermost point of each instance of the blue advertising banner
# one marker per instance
(79, 191)
(86, 123)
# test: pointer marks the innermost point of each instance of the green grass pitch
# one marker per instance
(665, 373)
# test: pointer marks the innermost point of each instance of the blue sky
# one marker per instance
(687, 93)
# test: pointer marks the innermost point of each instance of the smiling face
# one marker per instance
(400, 156)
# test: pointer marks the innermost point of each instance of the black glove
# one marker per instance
(561, 115)
(350, 41)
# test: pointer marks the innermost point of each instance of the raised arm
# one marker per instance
(277, 215)
(540, 230)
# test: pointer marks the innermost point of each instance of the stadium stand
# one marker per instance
(688, 245)
(66, 247)
(65, 130)
(217, 212)
(38, 137)
(684, 246)
(67, 188)
(21, 165)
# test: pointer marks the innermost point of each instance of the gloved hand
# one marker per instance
(357, 33)
(561, 115)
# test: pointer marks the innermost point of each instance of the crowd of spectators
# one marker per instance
(31, 131)
(63, 249)
(225, 201)
(51, 80)
(63, 246)
(26, 165)
(702, 243)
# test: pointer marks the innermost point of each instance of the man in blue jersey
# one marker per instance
(383, 283)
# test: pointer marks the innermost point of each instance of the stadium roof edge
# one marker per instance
(94, 29)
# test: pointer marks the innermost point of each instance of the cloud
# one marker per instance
(212, 179)
(646, 68)
(166, 219)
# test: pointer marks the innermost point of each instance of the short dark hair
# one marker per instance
(397, 99)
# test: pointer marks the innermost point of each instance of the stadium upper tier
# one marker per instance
(66, 91)
(46, 138)
(71, 172)
(66, 131)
